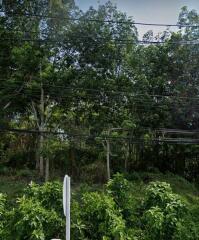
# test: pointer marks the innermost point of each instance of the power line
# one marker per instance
(61, 39)
(115, 41)
(177, 131)
(112, 92)
(130, 22)
(103, 137)
(78, 104)
(135, 102)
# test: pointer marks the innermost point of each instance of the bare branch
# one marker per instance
(34, 111)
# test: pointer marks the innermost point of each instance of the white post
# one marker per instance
(66, 204)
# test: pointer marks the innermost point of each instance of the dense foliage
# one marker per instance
(80, 95)
(80, 79)
(107, 214)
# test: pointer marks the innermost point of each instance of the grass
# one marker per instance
(13, 186)
(179, 185)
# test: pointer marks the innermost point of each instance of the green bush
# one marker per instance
(154, 218)
(120, 190)
(37, 215)
(157, 193)
(77, 225)
(30, 220)
(101, 217)
(187, 230)
(163, 211)
(113, 214)
(49, 195)
(2, 213)
(2, 204)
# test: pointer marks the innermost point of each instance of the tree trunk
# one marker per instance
(108, 159)
(41, 159)
(37, 155)
(41, 140)
(73, 162)
(47, 172)
(126, 157)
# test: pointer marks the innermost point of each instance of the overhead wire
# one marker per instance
(61, 39)
(133, 101)
(120, 40)
(130, 102)
(114, 40)
(102, 137)
(101, 91)
(129, 21)
(79, 104)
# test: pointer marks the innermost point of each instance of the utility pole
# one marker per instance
(108, 152)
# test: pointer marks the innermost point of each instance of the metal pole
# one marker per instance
(68, 208)
(66, 204)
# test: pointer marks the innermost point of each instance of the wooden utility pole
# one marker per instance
(108, 152)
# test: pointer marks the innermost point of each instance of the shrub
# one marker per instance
(187, 230)
(157, 193)
(113, 214)
(163, 211)
(77, 225)
(2, 213)
(101, 217)
(119, 189)
(49, 195)
(37, 215)
(155, 220)
(2, 204)
(30, 220)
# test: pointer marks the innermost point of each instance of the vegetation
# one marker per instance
(109, 102)
(145, 211)
(80, 95)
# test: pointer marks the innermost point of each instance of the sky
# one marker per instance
(150, 11)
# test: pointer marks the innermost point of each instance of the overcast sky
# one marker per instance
(150, 11)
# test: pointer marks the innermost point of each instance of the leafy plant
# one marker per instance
(163, 211)
(48, 194)
(30, 220)
(101, 217)
(2, 213)
(119, 189)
